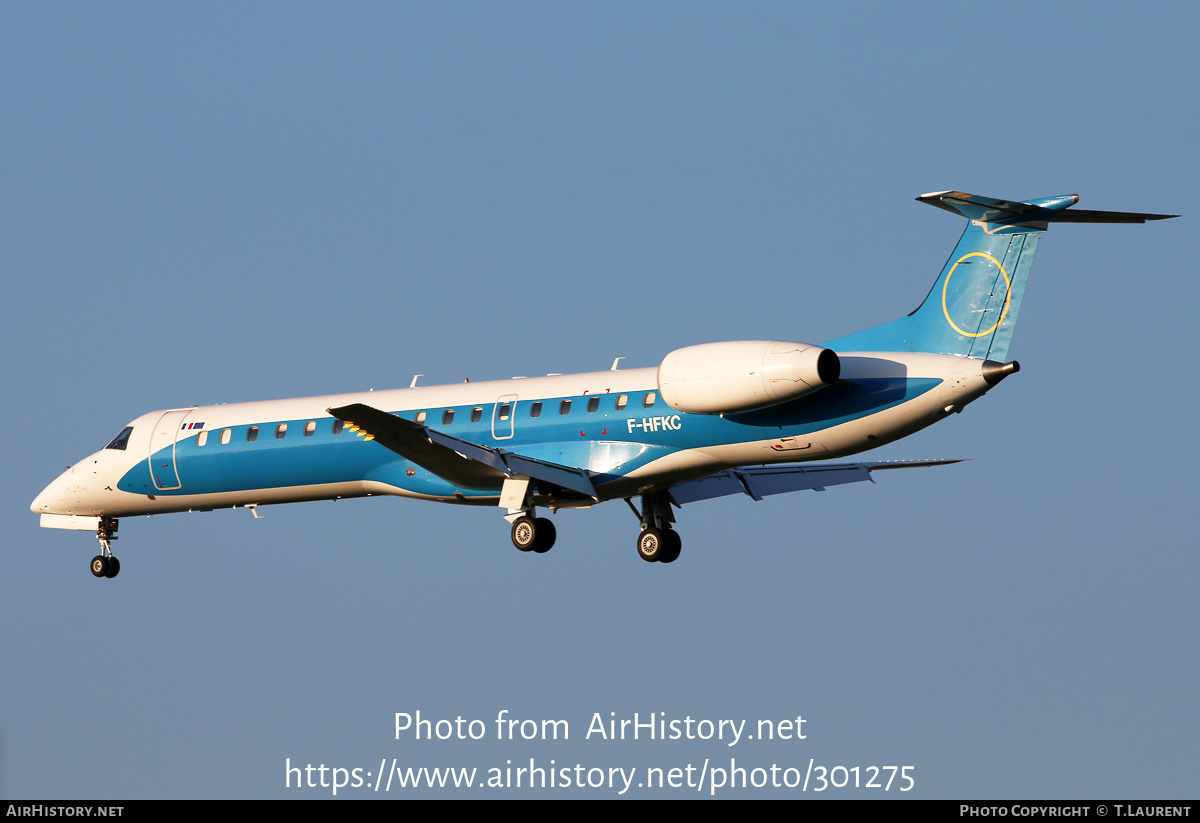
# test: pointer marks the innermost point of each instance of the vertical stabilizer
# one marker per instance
(972, 308)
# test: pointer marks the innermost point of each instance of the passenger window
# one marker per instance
(536, 409)
(338, 425)
(593, 404)
(310, 428)
(121, 440)
(564, 407)
(202, 438)
(476, 414)
(225, 435)
(505, 411)
(622, 401)
(648, 400)
(447, 417)
(420, 417)
(251, 434)
(281, 431)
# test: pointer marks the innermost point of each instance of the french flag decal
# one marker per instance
(187, 426)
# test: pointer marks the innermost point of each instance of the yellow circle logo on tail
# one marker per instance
(1007, 293)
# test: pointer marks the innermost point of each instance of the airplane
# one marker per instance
(715, 419)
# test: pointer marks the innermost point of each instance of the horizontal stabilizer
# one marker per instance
(1046, 210)
(459, 461)
(1092, 216)
(767, 480)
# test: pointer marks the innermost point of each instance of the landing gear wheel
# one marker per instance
(651, 545)
(674, 545)
(524, 533)
(114, 567)
(100, 566)
(546, 533)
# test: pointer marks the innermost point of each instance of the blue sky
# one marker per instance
(220, 203)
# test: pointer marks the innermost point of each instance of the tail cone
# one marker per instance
(994, 372)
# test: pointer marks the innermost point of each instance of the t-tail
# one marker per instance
(972, 308)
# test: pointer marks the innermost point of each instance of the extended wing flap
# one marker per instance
(460, 461)
(767, 480)
(510, 463)
(565, 476)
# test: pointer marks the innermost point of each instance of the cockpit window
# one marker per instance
(121, 440)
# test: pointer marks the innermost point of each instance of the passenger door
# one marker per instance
(165, 433)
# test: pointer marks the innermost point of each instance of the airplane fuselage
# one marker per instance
(613, 424)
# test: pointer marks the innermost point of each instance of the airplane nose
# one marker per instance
(55, 498)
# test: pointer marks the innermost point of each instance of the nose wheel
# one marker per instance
(104, 564)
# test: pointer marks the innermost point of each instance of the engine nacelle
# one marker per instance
(741, 375)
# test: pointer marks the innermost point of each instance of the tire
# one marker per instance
(114, 567)
(674, 545)
(651, 544)
(525, 533)
(546, 534)
(100, 566)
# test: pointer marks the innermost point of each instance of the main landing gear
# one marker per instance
(533, 534)
(104, 564)
(659, 545)
(658, 542)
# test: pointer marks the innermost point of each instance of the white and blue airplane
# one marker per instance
(741, 417)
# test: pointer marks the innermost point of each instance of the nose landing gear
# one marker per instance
(104, 564)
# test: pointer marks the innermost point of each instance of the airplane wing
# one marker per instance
(761, 481)
(460, 461)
